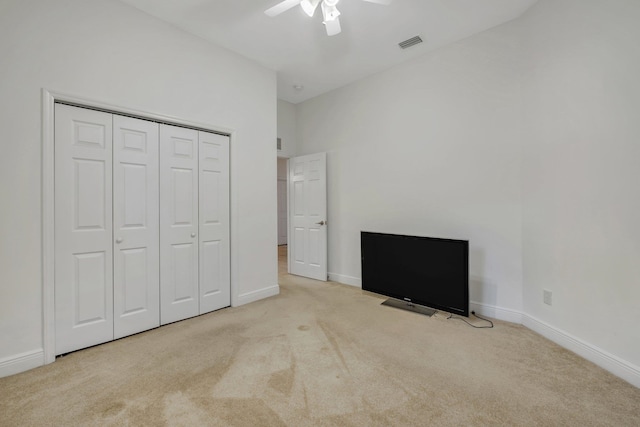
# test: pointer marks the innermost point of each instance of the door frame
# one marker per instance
(49, 99)
(286, 201)
(288, 213)
(286, 180)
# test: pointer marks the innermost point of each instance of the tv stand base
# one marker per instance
(409, 306)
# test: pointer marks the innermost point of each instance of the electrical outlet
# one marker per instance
(548, 297)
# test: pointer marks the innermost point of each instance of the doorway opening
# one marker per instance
(282, 215)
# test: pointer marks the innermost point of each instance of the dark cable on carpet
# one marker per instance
(472, 325)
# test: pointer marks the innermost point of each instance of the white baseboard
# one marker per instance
(252, 296)
(617, 366)
(496, 312)
(629, 372)
(21, 362)
(346, 280)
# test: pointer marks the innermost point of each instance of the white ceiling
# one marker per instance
(298, 48)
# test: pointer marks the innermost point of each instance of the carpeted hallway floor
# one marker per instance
(321, 354)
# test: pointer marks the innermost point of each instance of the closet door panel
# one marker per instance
(136, 226)
(83, 228)
(178, 223)
(215, 277)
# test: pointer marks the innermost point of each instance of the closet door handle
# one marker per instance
(119, 240)
(193, 234)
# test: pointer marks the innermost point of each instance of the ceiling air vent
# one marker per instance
(410, 42)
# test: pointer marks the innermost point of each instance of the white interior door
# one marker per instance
(282, 211)
(308, 216)
(215, 256)
(136, 278)
(83, 228)
(178, 223)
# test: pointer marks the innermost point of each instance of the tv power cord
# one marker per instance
(451, 316)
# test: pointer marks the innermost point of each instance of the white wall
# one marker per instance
(431, 148)
(523, 139)
(287, 128)
(581, 228)
(110, 52)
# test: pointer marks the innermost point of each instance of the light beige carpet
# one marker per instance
(321, 354)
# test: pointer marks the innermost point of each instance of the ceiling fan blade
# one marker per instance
(333, 27)
(281, 7)
(384, 2)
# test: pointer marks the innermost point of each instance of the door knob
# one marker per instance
(321, 223)
(119, 240)
(193, 234)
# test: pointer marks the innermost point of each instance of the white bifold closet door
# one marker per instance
(136, 217)
(141, 225)
(178, 223)
(215, 273)
(194, 223)
(106, 227)
(83, 228)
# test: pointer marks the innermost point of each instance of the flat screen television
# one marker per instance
(424, 271)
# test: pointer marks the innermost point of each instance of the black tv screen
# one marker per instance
(421, 270)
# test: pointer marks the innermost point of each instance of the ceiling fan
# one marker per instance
(330, 12)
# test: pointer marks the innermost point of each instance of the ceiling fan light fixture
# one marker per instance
(330, 12)
(309, 6)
